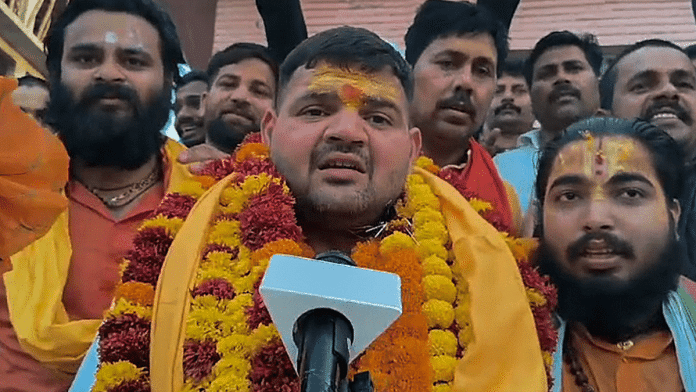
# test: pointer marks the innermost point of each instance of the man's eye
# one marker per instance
(637, 87)
(135, 62)
(568, 196)
(379, 120)
(483, 70)
(84, 59)
(446, 64)
(631, 193)
(314, 112)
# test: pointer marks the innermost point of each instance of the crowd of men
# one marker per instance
(108, 228)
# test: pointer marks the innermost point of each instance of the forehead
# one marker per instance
(653, 59)
(510, 80)
(251, 68)
(471, 44)
(559, 54)
(598, 159)
(112, 29)
(196, 87)
(327, 78)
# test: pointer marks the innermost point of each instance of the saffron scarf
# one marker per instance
(31, 179)
(35, 292)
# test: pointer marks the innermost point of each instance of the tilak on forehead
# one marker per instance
(603, 156)
(353, 87)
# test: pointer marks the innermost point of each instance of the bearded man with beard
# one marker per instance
(111, 65)
(242, 88)
(655, 80)
(608, 194)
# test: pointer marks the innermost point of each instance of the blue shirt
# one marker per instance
(519, 166)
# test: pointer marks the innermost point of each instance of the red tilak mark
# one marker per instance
(351, 93)
(599, 159)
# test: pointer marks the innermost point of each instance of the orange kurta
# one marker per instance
(33, 172)
(648, 364)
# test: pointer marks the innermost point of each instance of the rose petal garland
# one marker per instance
(231, 343)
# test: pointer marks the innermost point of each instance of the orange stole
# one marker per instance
(33, 172)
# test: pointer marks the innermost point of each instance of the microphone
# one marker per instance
(327, 312)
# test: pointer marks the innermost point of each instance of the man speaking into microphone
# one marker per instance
(333, 169)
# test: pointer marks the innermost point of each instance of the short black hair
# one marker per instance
(346, 47)
(586, 42)
(608, 81)
(170, 46)
(238, 52)
(193, 76)
(691, 51)
(32, 81)
(512, 68)
(666, 154)
(440, 18)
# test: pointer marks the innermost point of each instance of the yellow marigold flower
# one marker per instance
(124, 306)
(479, 205)
(432, 231)
(439, 314)
(396, 241)
(462, 314)
(233, 200)
(442, 342)
(422, 196)
(252, 150)
(171, 225)
(434, 265)
(282, 246)
(466, 335)
(535, 297)
(426, 215)
(521, 248)
(423, 162)
(439, 287)
(234, 344)
(262, 336)
(217, 259)
(137, 292)
(431, 247)
(442, 388)
(443, 367)
(225, 232)
(112, 374)
(190, 188)
(231, 375)
(548, 358)
(207, 272)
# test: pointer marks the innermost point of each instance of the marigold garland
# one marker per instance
(231, 343)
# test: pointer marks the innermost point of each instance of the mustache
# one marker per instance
(563, 89)
(507, 105)
(459, 101)
(616, 244)
(105, 90)
(658, 105)
(240, 108)
(360, 152)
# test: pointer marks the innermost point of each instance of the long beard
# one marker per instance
(615, 310)
(101, 139)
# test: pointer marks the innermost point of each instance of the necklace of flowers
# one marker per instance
(231, 343)
(541, 294)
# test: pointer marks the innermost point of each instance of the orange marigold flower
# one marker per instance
(282, 246)
(206, 181)
(252, 150)
(138, 292)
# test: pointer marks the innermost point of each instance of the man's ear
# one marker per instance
(268, 123)
(416, 144)
(674, 209)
